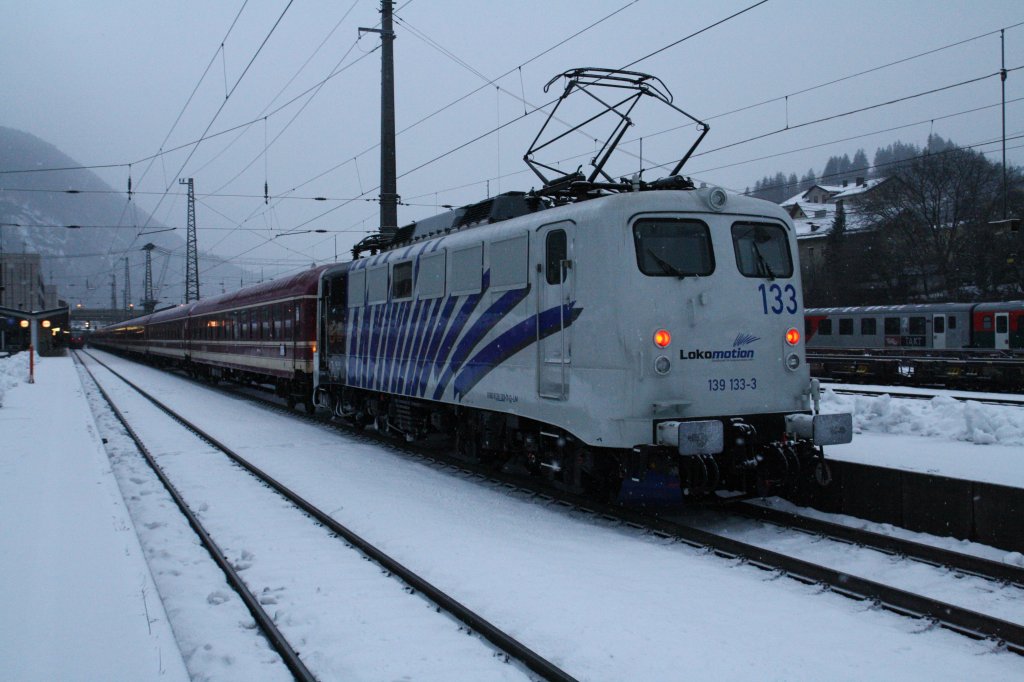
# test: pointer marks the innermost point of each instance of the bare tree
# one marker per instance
(933, 215)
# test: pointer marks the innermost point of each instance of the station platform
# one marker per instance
(78, 600)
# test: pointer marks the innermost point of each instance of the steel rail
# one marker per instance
(502, 640)
(270, 631)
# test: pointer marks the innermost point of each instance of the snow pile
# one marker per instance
(941, 417)
(13, 371)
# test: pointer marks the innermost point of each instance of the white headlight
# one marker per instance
(662, 365)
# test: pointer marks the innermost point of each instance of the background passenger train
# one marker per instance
(998, 326)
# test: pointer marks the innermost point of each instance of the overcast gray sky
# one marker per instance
(104, 81)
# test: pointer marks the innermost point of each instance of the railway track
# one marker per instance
(935, 611)
(847, 390)
(502, 641)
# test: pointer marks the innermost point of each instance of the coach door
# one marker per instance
(554, 281)
(1002, 331)
(938, 331)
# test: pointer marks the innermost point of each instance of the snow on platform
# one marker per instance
(78, 601)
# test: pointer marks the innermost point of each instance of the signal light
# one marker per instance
(792, 337)
(662, 338)
(24, 324)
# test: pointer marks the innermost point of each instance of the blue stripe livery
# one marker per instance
(412, 347)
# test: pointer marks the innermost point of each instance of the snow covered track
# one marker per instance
(263, 619)
(905, 602)
(415, 584)
(936, 556)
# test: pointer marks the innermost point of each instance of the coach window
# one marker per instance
(762, 250)
(667, 247)
(356, 288)
(917, 325)
(846, 326)
(288, 315)
(868, 326)
(1001, 324)
(952, 322)
(986, 323)
(377, 285)
(509, 263)
(940, 325)
(892, 326)
(430, 280)
(825, 327)
(467, 270)
(401, 281)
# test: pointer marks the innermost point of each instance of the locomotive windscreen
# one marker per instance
(673, 247)
(762, 250)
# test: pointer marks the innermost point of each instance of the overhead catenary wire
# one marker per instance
(312, 220)
(243, 196)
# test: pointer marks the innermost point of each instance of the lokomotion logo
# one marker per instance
(737, 352)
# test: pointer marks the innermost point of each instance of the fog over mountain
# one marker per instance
(36, 209)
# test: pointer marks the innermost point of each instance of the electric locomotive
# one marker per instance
(655, 329)
(590, 331)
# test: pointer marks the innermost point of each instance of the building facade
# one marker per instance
(21, 283)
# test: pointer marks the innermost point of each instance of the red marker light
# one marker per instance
(662, 338)
(792, 337)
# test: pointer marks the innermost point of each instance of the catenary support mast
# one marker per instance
(191, 251)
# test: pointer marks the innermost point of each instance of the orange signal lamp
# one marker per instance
(792, 337)
(662, 338)
(24, 324)
(46, 324)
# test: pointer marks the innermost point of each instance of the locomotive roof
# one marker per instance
(303, 284)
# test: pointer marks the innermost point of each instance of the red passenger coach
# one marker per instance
(265, 334)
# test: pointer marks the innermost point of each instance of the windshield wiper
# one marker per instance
(762, 263)
(666, 266)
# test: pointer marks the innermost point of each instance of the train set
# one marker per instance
(591, 331)
(958, 345)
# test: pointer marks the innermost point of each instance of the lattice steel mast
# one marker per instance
(127, 286)
(191, 251)
(148, 302)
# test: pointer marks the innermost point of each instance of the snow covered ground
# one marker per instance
(604, 602)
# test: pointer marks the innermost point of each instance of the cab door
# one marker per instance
(1002, 331)
(555, 295)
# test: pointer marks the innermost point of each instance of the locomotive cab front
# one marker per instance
(709, 314)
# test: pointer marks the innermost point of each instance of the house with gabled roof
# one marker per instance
(814, 212)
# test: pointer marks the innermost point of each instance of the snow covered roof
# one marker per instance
(814, 219)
